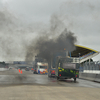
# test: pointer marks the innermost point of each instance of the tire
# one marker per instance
(48, 76)
(34, 72)
(74, 79)
(57, 78)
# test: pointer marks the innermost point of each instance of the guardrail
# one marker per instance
(90, 76)
(92, 71)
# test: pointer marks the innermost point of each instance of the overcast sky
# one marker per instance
(82, 17)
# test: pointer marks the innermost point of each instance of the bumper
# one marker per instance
(68, 77)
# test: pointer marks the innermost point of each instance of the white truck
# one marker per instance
(41, 68)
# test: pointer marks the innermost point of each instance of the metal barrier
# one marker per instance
(90, 66)
(90, 71)
(90, 76)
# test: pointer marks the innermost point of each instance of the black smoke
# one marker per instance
(52, 41)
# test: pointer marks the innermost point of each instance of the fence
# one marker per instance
(90, 67)
(90, 71)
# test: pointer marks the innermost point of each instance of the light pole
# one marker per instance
(79, 59)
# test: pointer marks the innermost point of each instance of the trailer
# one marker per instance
(66, 69)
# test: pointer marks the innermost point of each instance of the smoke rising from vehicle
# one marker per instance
(54, 40)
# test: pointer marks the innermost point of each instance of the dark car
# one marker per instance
(51, 72)
(31, 68)
(35, 71)
(27, 69)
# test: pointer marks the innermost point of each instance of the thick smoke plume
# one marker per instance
(54, 40)
(47, 48)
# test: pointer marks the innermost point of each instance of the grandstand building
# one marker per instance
(82, 54)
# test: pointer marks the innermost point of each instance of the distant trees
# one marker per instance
(3, 63)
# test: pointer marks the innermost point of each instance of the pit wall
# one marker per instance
(92, 71)
(90, 76)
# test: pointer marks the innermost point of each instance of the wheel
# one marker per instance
(57, 78)
(34, 72)
(74, 79)
(48, 76)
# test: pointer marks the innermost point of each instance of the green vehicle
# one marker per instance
(66, 69)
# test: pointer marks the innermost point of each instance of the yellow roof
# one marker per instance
(86, 48)
(82, 51)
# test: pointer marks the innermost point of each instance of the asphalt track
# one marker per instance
(29, 86)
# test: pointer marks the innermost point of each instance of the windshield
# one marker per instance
(43, 67)
(68, 66)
